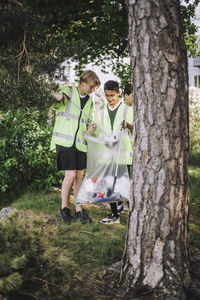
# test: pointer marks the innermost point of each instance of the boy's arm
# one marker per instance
(58, 96)
(129, 119)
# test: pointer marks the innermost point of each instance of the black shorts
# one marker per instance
(70, 158)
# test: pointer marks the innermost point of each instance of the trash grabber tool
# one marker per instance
(111, 190)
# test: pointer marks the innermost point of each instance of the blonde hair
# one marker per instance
(90, 76)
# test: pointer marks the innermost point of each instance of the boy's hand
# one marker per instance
(59, 97)
(125, 124)
(84, 133)
(91, 128)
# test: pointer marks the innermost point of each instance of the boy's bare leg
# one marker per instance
(77, 184)
(67, 186)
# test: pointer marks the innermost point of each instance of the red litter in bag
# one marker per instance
(94, 179)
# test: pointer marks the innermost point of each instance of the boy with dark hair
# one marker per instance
(128, 94)
(67, 140)
(111, 85)
(110, 119)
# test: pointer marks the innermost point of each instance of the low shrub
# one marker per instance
(30, 267)
(25, 157)
(194, 98)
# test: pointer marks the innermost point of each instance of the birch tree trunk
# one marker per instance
(156, 258)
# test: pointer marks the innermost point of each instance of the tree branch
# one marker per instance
(20, 55)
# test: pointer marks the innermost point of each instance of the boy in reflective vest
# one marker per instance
(128, 99)
(110, 118)
(72, 116)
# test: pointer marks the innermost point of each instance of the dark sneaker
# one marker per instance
(65, 215)
(111, 219)
(82, 216)
(120, 208)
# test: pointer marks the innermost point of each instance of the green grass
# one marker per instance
(194, 222)
(194, 176)
(88, 245)
(44, 202)
(102, 245)
(93, 246)
(194, 158)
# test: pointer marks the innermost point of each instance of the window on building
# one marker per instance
(197, 81)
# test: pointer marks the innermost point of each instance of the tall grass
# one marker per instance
(194, 158)
(91, 247)
(100, 244)
(194, 222)
(194, 177)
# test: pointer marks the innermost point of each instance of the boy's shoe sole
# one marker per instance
(120, 209)
(108, 221)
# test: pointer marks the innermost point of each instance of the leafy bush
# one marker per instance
(194, 176)
(25, 158)
(194, 98)
(30, 267)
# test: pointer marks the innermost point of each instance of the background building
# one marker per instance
(194, 63)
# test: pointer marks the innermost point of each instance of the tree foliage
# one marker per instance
(36, 37)
(194, 98)
(40, 35)
(190, 29)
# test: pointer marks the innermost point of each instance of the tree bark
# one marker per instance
(156, 258)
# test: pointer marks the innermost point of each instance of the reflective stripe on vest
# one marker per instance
(68, 137)
(70, 116)
(127, 154)
(66, 113)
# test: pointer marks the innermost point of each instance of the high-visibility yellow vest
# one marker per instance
(70, 121)
(124, 112)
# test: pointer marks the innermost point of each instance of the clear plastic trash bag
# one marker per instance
(106, 180)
